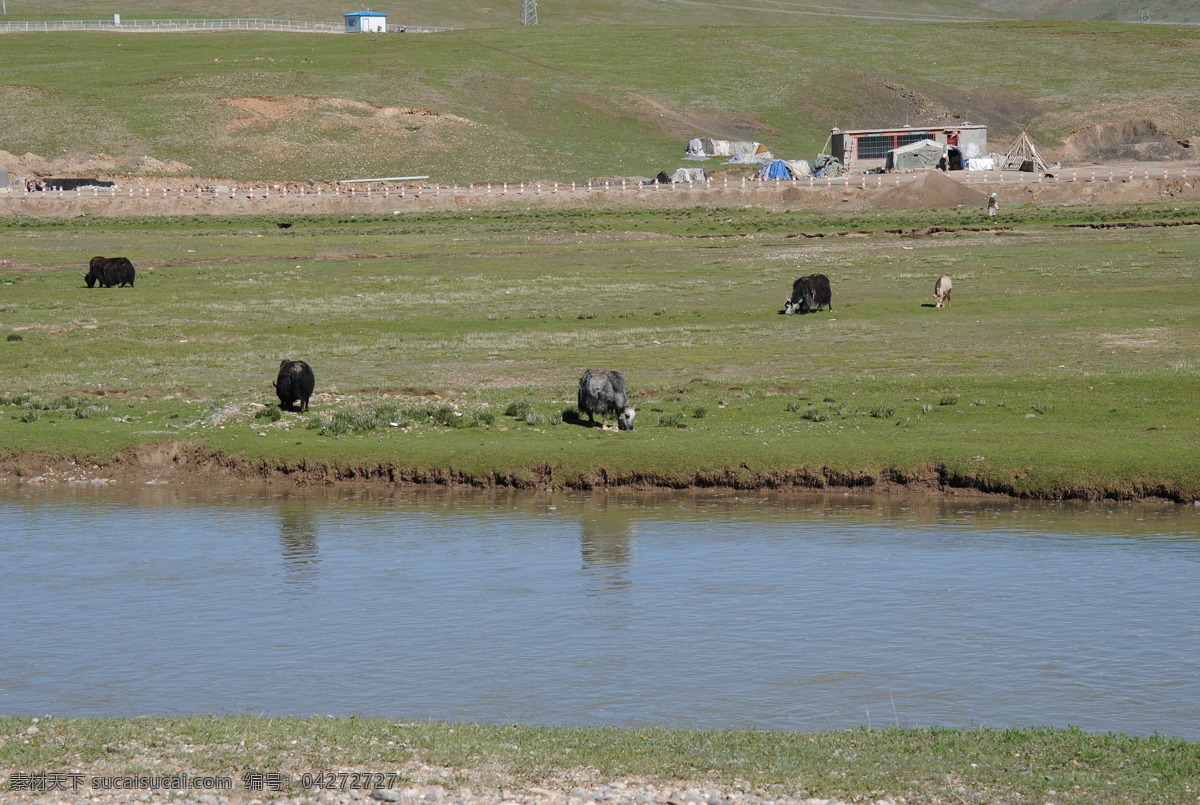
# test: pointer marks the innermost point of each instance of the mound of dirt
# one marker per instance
(1121, 141)
(261, 108)
(79, 164)
(930, 189)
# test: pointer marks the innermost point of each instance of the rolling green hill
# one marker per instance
(569, 102)
(1176, 12)
(508, 12)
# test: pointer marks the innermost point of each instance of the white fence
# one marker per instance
(160, 26)
(617, 188)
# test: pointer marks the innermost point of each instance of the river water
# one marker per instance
(777, 612)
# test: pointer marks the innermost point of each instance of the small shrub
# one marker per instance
(948, 400)
(926, 408)
(446, 416)
(31, 415)
(271, 412)
(15, 337)
(1039, 407)
(86, 411)
(517, 410)
(979, 403)
(813, 415)
(884, 412)
(670, 420)
(794, 405)
(700, 412)
(535, 419)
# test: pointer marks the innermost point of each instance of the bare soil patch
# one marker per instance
(1135, 140)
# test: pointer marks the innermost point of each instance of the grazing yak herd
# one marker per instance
(601, 391)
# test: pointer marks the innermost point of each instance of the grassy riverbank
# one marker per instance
(920, 765)
(447, 347)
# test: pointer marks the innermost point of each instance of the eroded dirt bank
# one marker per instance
(178, 463)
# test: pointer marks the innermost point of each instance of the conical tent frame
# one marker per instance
(1022, 151)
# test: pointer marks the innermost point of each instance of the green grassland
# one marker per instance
(448, 346)
(571, 102)
(929, 766)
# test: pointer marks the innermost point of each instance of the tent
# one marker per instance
(775, 169)
(785, 169)
(825, 167)
(708, 147)
(800, 168)
(690, 175)
(1023, 156)
(923, 155)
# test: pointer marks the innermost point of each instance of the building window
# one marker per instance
(912, 137)
(875, 146)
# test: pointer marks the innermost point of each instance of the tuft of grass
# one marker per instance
(15, 337)
(884, 412)
(88, 411)
(518, 410)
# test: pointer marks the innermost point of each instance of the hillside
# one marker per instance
(551, 13)
(1172, 12)
(577, 102)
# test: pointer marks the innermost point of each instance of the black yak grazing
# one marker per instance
(603, 392)
(809, 294)
(295, 383)
(110, 272)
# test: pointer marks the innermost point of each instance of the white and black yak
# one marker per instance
(294, 384)
(809, 294)
(603, 392)
(942, 290)
(110, 272)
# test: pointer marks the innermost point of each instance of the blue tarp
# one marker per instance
(775, 169)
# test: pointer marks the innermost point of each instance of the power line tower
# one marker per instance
(529, 12)
(1144, 16)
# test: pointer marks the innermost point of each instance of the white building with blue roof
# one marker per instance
(363, 22)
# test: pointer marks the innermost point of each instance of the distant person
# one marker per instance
(993, 205)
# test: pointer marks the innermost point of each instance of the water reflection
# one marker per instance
(605, 544)
(763, 610)
(298, 540)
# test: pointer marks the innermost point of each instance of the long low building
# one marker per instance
(863, 149)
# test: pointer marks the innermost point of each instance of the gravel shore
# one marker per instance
(614, 793)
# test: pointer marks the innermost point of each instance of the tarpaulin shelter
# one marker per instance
(825, 167)
(690, 175)
(708, 147)
(923, 155)
(775, 169)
